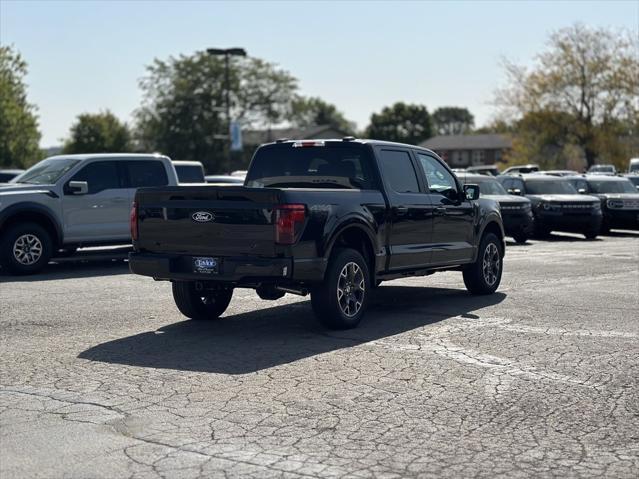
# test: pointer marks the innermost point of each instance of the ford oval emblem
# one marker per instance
(203, 216)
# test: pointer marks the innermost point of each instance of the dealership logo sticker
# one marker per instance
(202, 216)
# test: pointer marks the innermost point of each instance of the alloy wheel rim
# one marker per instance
(491, 264)
(351, 288)
(27, 249)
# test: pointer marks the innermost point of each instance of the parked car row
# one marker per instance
(547, 201)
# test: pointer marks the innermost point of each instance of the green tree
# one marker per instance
(19, 135)
(452, 120)
(98, 133)
(590, 75)
(309, 111)
(404, 123)
(183, 111)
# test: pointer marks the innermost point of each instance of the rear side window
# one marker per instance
(146, 173)
(100, 176)
(327, 165)
(398, 171)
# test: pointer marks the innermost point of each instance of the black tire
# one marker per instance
(343, 312)
(520, 238)
(200, 304)
(481, 279)
(591, 234)
(25, 248)
(605, 228)
(541, 232)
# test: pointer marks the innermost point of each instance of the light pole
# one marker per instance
(227, 53)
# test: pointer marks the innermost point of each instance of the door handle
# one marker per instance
(440, 211)
(401, 210)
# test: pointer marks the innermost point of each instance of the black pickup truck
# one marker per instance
(333, 218)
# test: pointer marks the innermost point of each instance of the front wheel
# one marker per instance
(591, 234)
(484, 275)
(204, 304)
(520, 238)
(341, 300)
(25, 248)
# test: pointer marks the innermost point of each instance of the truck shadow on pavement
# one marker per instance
(68, 270)
(250, 342)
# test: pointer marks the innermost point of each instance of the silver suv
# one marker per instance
(64, 202)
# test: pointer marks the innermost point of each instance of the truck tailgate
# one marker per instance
(207, 220)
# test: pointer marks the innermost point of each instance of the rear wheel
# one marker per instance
(341, 300)
(25, 248)
(203, 304)
(484, 275)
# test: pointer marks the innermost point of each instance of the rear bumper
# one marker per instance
(237, 270)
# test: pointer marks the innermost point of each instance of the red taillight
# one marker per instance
(133, 221)
(289, 220)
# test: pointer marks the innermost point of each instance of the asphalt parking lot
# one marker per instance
(101, 377)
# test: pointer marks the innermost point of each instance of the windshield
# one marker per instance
(327, 165)
(46, 172)
(490, 188)
(549, 187)
(621, 186)
(634, 180)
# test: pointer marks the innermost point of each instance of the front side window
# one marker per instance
(146, 173)
(397, 169)
(100, 176)
(439, 179)
(46, 172)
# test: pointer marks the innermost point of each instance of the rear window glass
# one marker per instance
(146, 173)
(189, 173)
(334, 165)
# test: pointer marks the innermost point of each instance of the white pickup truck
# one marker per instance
(68, 201)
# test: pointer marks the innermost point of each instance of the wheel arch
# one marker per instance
(492, 225)
(356, 235)
(35, 213)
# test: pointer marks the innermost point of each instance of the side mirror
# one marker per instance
(471, 192)
(78, 187)
(582, 191)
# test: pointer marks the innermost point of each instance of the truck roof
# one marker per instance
(110, 156)
(349, 139)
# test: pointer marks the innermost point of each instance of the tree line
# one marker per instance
(578, 101)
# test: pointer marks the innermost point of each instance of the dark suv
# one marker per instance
(619, 199)
(516, 211)
(556, 204)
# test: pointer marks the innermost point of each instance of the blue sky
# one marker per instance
(88, 56)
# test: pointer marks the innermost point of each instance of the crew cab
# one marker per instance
(332, 218)
(619, 199)
(516, 211)
(556, 204)
(65, 202)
